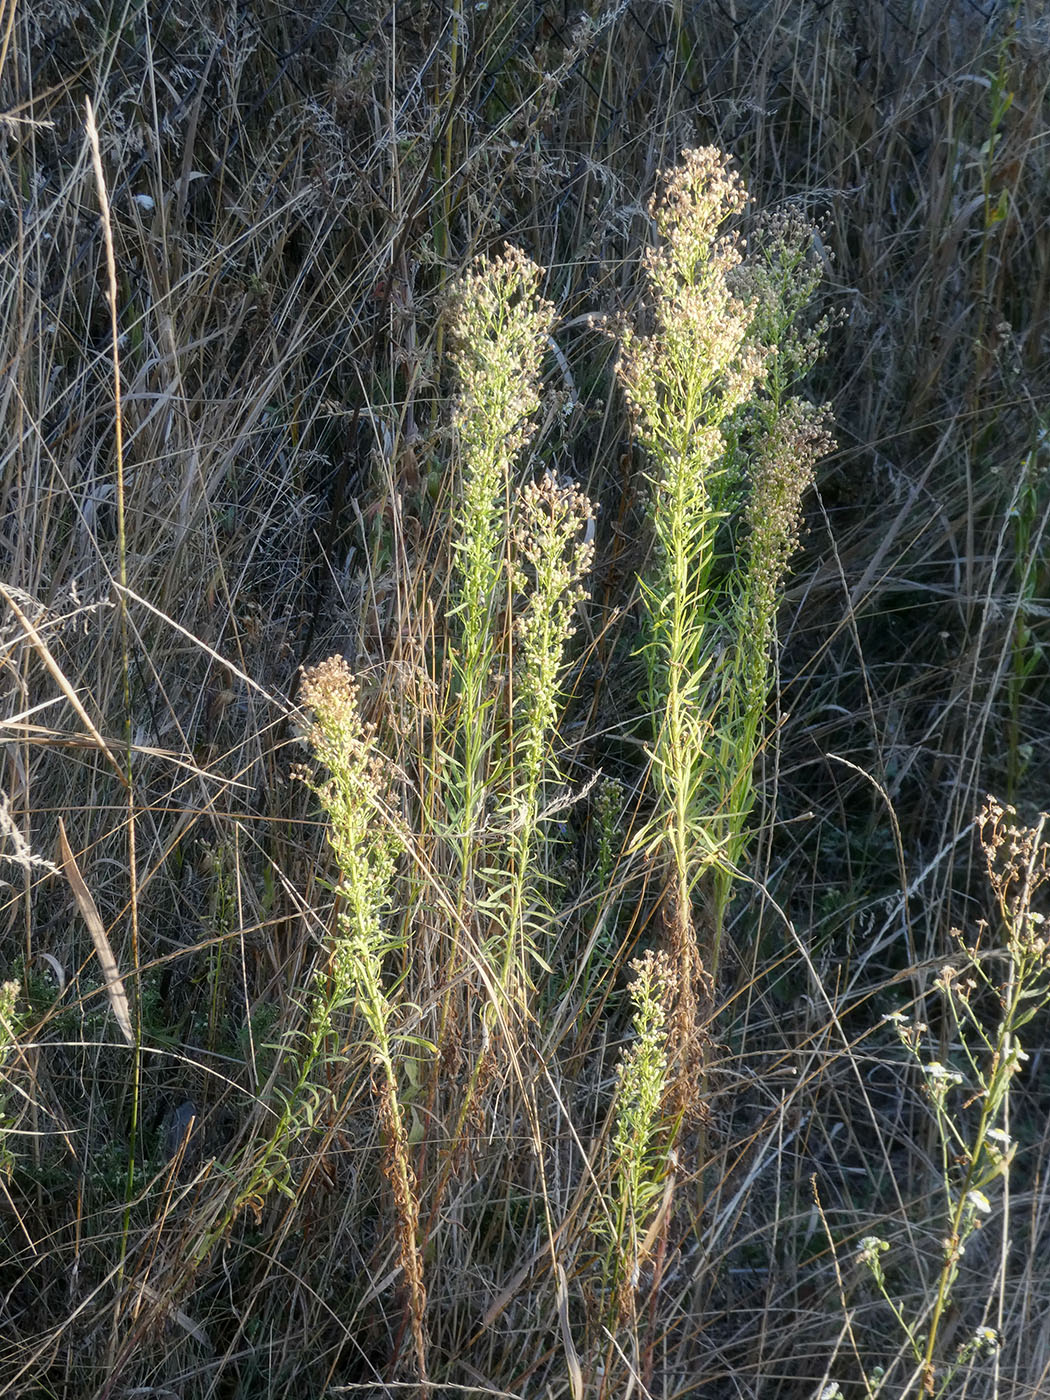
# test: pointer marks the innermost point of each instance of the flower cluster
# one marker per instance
(779, 279)
(781, 472)
(1018, 861)
(499, 327)
(551, 556)
(872, 1247)
(355, 794)
(699, 195)
(700, 364)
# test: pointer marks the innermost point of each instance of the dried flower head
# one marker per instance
(499, 328)
(1018, 862)
(356, 796)
(552, 554)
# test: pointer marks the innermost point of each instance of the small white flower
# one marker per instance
(979, 1201)
(997, 1136)
(871, 1247)
(935, 1070)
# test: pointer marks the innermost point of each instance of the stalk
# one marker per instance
(731, 451)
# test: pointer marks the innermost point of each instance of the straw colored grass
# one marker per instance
(293, 196)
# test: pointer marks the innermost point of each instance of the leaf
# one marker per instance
(572, 1356)
(118, 997)
(415, 1130)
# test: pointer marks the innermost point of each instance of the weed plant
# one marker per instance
(969, 1099)
(365, 846)
(500, 326)
(641, 1158)
(520, 559)
(711, 358)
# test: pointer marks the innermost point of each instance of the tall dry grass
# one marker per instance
(292, 195)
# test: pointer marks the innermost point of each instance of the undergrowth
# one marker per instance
(498, 898)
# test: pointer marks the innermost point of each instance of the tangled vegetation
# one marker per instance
(523, 554)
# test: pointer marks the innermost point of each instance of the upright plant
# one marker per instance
(720, 337)
(780, 436)
(551, 556)
(499, 328)
(638, 1149)
(354, 791)
(969, 1098)
(520, 554)
(356, 796)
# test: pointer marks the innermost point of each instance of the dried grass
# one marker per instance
(292, 192)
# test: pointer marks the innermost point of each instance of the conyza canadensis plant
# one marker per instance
(521, 553)
(354, 791)
(730, 452)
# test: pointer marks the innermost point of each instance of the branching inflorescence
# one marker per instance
(708, 389)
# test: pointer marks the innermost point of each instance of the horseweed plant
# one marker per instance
(638, 1149)
(499, 327)
(551, 555)
(784, 436)
(355, 794)
(693, 384)
(524, 548)
(970, 1100)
